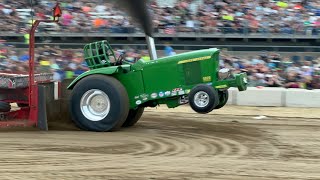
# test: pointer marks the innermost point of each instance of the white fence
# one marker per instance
(275, 97)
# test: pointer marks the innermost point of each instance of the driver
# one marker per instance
(110, 57)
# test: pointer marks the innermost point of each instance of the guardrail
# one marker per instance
(190, 47)
(249, 35)
(275, 97)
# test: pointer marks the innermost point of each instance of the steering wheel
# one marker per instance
(120, 59)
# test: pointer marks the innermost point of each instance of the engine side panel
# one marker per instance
(133, 82)
(176, 75)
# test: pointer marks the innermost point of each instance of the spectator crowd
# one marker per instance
(265, 70)
(272, 70)
(209, 16)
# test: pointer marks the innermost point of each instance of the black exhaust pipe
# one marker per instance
(139, 12)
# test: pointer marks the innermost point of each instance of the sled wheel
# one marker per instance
(4, 106)
(99, 103)
(203, 98)
(223, 99)
(133, 117)
(21, 105)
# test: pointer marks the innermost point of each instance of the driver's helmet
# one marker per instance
(129, 60)
(118, 53)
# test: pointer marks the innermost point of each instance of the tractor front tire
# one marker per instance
(99, 103)
(4, 106)
(203, 98)
(223, 98)
(133, 117)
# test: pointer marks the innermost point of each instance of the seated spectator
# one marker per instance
(306, 71)
(69, 64)
(168, 50)
(145, 56)
(306, 83)
(258, 79)
(316, 82)
(56, 74)
(293, 68)
(273, 81)
(184, 16)
(24, 57)
(316, 71)
(45, 65)
(292, 81)
(13, 56)
(69, 73)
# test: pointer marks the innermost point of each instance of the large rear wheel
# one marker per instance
(133, 117)
(99, 103)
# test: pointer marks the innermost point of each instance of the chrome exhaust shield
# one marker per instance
(151, 47)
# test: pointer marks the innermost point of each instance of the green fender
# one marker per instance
(105, 71)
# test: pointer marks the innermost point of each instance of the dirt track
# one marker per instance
(174, 144)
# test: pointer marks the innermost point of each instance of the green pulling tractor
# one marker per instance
(114, 93)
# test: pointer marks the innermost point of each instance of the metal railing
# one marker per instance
(224, 32)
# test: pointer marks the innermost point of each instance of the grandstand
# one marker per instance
(243, 30)
(187, 24)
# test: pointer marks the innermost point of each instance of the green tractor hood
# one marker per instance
(186, 57)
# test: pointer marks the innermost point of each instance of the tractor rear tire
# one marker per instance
(5, 107)
(133, 117)
(99, 103)
(223, 98)
(203, 98)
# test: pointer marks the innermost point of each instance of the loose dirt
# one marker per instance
(229, 143)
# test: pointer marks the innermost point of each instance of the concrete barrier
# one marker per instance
(260, 97)
(302, 98)
(232, 96)
(275, 97)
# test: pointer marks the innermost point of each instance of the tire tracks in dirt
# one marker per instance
(168, 146)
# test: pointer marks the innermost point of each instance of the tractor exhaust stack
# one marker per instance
(139, 12)
(151, 47)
